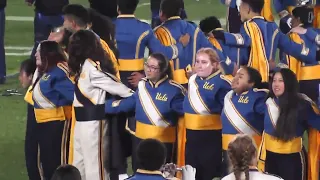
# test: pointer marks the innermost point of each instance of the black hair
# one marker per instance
(151, 154)
(255, 5)
(65, 38)
(127, 6)
(66, 172)
(29, 66)
(165, 68)
(103, 26)
(209, 23)
(84, 45)
(77, 13)
(171, 8)
(289, 103)
(305, 14)
(255, 78)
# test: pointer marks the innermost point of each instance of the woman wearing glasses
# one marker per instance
(157, 103)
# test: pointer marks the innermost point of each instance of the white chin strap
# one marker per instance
(238, 3)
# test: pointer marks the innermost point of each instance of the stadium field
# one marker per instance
(18, 44)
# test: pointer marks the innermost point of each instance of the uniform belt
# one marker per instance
(131, 64)
(310, 72)
(277, 146)
(163, 134)
(180, 77)
(54, 114)
(90, 113)
(202, 122)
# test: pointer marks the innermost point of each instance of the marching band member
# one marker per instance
(202, 107)
(52, 94)
(95, 80)
(307, 72)
(158, 103)
(243, 108)
(31, 148)
(171, 30)
(263, 38)
(287, 116)
(242, 152)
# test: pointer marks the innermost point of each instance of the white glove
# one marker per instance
(238, 3)
(188, 173)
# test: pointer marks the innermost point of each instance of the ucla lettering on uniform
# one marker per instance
(207, 86)
(243, 99)
(161, 97)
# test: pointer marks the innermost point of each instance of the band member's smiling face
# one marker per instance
(152, 69)
(278, 84)
(240, 82)
(24, 79)
(204, 67)
(244, 10)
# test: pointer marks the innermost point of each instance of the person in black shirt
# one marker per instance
(105, 7)
(3, 4)
(48, 15)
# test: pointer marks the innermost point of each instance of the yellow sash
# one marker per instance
(293, 63)
(106, 47)
(258, 58)
(28, 96)
(267, 11)
(73, 122)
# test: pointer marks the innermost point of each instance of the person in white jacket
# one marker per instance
(242, 153)
(95, 81)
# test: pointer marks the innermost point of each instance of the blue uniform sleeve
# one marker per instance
(260, 105)
(155, 45)
(205, 43)
(313, 119)
(239, 39)
(176, 104)
(65, 87)
(117, 106)
(278, 5)
(299, 51)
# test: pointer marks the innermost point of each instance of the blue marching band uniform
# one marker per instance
(213, 114)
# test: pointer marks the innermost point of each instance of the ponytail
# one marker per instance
(255, 77)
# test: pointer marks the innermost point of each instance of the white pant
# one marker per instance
(90, 149)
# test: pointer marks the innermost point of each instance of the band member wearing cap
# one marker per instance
(95, 81)
(287, 116)
(243, 108)
(202, 106)
(158, 103)
(52, 94)
(307, 72)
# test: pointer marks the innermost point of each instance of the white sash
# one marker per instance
(40, 99)
(195, 99)
(235, 117)
(273, 111)
(149, 107)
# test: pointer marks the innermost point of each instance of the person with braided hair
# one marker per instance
(242, 153)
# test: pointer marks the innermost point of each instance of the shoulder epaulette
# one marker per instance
(64, 68)
(227, 78)
(97, 66)
(174, 83)
(260, 90)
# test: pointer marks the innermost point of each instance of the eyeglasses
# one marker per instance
(151, 68)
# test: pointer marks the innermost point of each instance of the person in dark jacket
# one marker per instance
(105, 7)
(3, 4)
(48, 15)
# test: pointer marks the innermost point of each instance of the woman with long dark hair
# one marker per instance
(243, 108)
(52, 94)
(287, 116)
(95, 81)
(242, 152)
(157, 103)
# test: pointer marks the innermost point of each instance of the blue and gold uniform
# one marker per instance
(307, 72)
(157, 110)
(132, 43)
(147, 175)
(263, 38)
(169, 33)
(242, 114)
(53, 96)
(275, 154)
(202, 108)
(284, 5)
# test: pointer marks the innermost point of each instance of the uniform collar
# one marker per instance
(173, 18)
(126, 16)
(257, 17)
(211, 76)
(141, 171)
(155, 85)
(244, 93)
